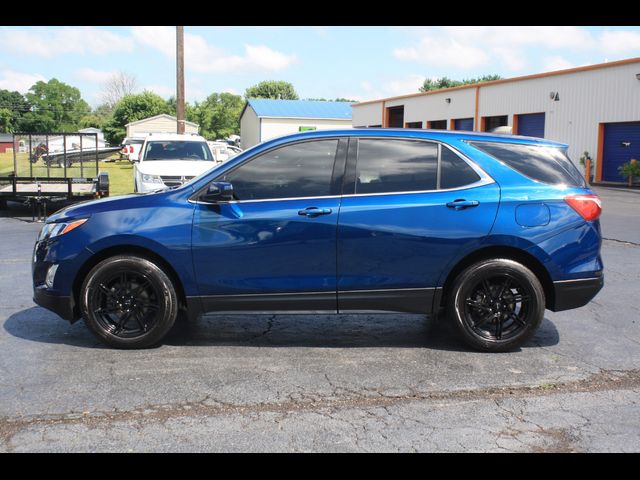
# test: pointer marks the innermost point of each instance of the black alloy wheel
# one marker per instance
(128, 302)
(497, 304)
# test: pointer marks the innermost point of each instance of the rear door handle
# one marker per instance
(314, 211)
(461, 204)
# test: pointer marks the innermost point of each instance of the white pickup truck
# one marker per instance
(169, 160)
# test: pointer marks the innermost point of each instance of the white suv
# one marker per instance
(131, 148)
(170, 159)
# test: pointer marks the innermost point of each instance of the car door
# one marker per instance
(410, 207)
(274, 248)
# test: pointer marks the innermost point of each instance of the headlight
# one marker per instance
(51, 230)
(151, 178)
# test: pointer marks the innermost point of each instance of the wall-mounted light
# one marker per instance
(638, 76)
(554, 96)
(448, 100)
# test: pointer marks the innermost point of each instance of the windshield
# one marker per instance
(177, 150)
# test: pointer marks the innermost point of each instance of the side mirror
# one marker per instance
(218, 192)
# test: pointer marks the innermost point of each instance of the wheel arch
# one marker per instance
(507, 252)
(125, 250)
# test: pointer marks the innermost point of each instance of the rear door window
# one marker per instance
(541, 163)
(396, 166)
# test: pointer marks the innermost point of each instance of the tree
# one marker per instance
(13, 106)
(276, 89)
(56, 106)
(131, 108)
(119, 85)
(445, 82)
(218, 115)
(98, 117)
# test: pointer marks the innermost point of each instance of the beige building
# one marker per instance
(262, 119)
(162, 123)
(593, 108)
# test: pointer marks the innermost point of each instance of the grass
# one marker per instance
(120, 171)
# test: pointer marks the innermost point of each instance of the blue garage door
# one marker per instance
(463, 124)
(531, 125)
(621, 144)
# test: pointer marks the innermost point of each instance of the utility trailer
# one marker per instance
(54, 167)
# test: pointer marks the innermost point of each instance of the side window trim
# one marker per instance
(352, 160)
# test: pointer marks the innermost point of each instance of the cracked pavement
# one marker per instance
(325, 383)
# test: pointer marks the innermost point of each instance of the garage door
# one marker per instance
(621, 144)
(464, 124)
(531, 125)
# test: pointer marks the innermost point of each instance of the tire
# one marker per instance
(496, 305)
(128, 302)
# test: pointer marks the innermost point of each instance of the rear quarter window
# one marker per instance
(541, 163)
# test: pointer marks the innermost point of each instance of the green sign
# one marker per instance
(306, 129)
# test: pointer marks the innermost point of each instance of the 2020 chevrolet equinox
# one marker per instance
(491, 228)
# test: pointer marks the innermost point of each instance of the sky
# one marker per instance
(359, 63)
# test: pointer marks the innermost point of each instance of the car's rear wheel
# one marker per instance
(128, 302)
(496, 304)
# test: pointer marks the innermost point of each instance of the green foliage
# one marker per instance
(276, 89)
(130, 109)
(583, 160)
(446, 82)
(13, 106)
(630, 169)
(56, 106)
(218, 116)
(7, 121)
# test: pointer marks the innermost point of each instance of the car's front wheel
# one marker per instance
(128, 302)
(496, 304)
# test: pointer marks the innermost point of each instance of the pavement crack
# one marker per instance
(606, 380)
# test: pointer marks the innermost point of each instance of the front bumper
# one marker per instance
(570, 294)
(61, 305)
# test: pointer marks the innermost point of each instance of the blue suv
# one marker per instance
(492, 229)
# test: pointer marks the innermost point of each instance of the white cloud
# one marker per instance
(404, 86)
(443, 52)
(620, 42)
(556, 63)
(49, 42)
(22, 82)
(91, 75)
(161, 90)
(200, 56)
(471, 47)
(547, 36)
(511, 58)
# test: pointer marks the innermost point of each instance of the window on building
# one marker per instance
(300, 170)
(491, 123)
(414, 125)
(396, 117)
(438, 124)
(396, 166)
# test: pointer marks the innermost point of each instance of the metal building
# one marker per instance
(593, 108)
(262, 119)
(162, 123)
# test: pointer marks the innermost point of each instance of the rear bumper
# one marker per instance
(570, 294)
(57, 304)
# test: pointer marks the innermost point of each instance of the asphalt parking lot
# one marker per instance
(326, 383)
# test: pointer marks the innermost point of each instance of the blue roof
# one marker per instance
(300, 108)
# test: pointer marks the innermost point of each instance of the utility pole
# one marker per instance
(180, 78)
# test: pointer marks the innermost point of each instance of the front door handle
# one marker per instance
(461, 204)
(314, 211)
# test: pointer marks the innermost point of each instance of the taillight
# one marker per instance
(130, 148)
(588, 206)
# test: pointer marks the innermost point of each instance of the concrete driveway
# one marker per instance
(326, 383)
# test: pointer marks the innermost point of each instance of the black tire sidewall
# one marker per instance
(467, 280)
(160, 282)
